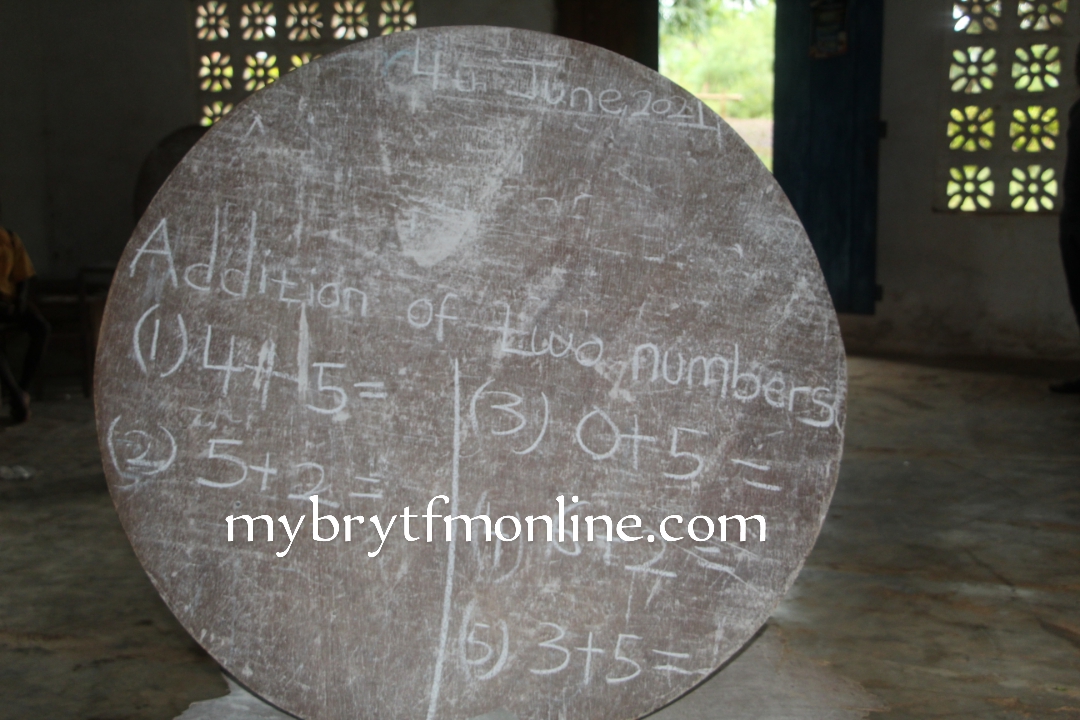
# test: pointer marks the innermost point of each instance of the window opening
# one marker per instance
(1037, 67)
(349, 21)
(1033, 188)
(976, 16)
(973, 69)
(216, 72)
(304, 21)
(970, 187)
(971, 128)
(245, 45)
(258, 21)
(396, 15)
(1034, 129)
(1005, 95)
(211, 22)
(1041, 16)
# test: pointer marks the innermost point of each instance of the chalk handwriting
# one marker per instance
(483, 647)
(421, 313)
(723, 374)
(599, 452)
(160, 249)
(152, 354)
(515, 420)
(137, 455)
(586, 353)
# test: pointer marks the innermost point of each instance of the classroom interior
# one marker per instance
(946, 579)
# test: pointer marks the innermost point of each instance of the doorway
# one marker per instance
(800, 81)
(723, 51)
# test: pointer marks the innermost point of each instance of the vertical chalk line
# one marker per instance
(448, 588)
(303, 356)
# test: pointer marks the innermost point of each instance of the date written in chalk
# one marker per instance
(508, 528)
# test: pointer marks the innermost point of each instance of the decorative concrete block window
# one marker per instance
(1007, 83)
(243, 46)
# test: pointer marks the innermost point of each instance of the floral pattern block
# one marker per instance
(396, 15)
(304, 21)
(261, 70)
(1033, 188)
(1043, 15)
(969, 188)
(1037, 67)
(349, 21)
(975, 16)
(214, 112)
(970, 128)
(258, 21)
(302, 59)
(973, 70)
(216, 72)
(1034, 128)
(211, 22)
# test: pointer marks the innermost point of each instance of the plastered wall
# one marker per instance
(953, 284)
(88, 88)
(527, 14)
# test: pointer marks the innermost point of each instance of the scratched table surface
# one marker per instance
(500, 267)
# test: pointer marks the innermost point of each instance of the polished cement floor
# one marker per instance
(946, 582)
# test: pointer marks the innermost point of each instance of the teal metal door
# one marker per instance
(826, 132)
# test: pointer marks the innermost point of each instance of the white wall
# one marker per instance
(957, 284)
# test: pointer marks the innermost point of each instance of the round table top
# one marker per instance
(471, 272)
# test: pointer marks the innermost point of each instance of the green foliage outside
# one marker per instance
(726, 45)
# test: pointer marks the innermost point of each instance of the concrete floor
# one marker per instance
(946, 582)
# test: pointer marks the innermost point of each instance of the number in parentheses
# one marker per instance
(140, 360)
(504, 651)
(140, 466)
(508, 408)
(543, 428)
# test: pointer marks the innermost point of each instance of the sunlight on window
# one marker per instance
(722, 51)
(1008, 90)
(261, 70)
(214, 112)
(350, 21)
(970, 187)
(973, 69)
(243, 46)
(396, 16)
(1033, 189)
(971, 128)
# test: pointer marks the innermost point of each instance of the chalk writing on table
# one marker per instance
(489, 281)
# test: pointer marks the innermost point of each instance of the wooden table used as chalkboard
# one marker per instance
(508, 269)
